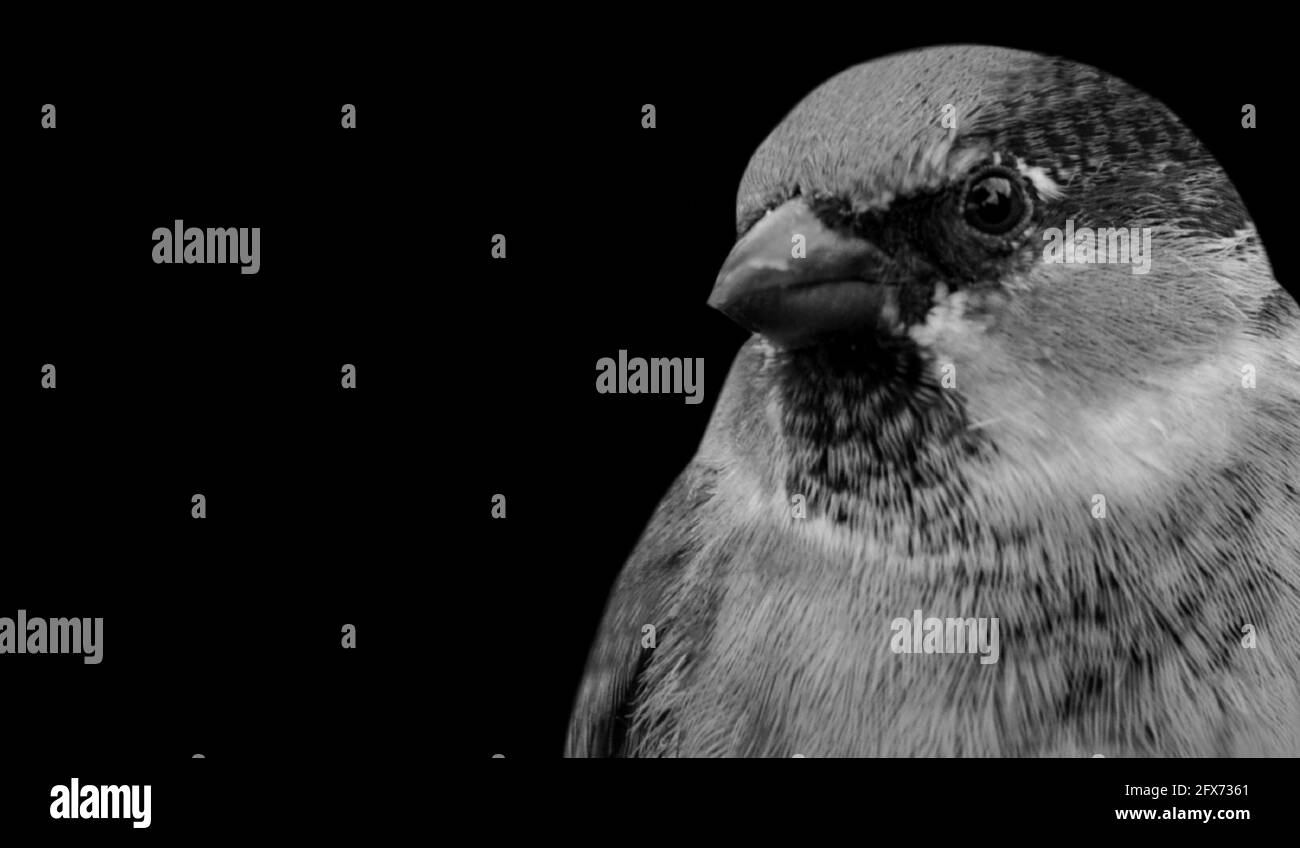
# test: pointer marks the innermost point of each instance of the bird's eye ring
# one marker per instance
(995, 201)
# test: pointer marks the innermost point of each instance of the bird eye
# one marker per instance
(995, 203)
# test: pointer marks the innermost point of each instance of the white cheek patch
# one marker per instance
(946, 319)
(764, 347)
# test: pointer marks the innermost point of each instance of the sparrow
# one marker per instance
(937, 412)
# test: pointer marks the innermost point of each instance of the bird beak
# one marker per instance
(796, 292)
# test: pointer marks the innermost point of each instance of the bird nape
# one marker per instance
(951, 415)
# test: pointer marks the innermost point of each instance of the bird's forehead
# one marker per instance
(915, 120)
(883, 127)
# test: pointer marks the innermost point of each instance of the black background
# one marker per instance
(476, 377)
(221, 636)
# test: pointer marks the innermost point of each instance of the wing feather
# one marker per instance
(601, 720)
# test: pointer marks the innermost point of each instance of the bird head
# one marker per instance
(895, 230)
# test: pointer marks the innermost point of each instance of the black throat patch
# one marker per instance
(869, 430)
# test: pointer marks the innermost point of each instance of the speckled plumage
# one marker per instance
(1120, 636)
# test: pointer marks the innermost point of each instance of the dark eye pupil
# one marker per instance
(994, 205)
